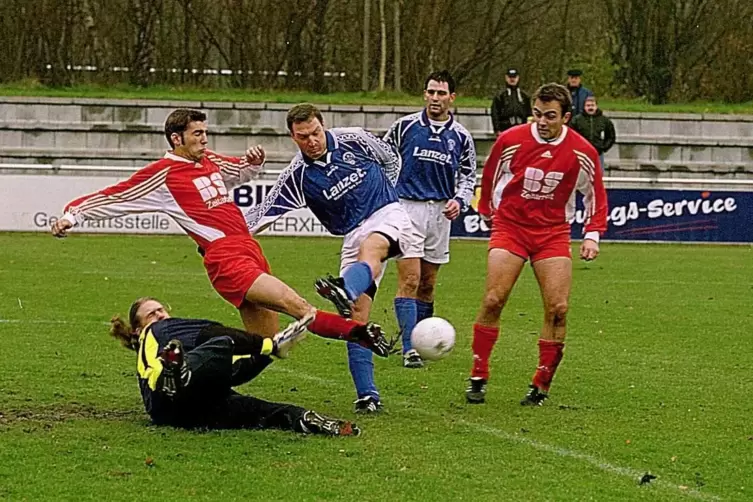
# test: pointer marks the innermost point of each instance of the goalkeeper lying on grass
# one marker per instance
(188, 367)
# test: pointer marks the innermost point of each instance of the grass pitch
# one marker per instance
(656, 379)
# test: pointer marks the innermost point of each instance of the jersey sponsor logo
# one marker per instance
(546, 155)
(212, 190)
(540, 186)
(432, 155)
(345, 185)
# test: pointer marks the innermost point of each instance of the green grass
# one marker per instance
(188, 93)
(656, 377)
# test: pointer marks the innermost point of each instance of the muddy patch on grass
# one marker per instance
(49, 415)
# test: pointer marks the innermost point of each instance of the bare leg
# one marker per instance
(267, 296)
(260, 320)
(374, 250)
(554, 276)
(408, 277)
(503, 269)
(428, 281)
(270, 292)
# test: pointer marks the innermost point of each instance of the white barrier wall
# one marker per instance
(31, 203)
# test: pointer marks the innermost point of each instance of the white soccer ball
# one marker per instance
(433, 338)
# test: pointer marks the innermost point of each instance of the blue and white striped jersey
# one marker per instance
(349, 183)
(439, 162)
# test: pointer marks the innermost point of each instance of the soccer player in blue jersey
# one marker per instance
(346, 177)
(436, 183)
(188, 367)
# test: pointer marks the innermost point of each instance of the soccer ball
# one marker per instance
(433, 338)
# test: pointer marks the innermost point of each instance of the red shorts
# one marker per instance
(233, 265)
(531, 243)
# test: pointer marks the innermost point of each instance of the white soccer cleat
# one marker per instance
(289, 337)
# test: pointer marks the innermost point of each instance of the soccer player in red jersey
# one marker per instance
(528, 192)
(192, 185)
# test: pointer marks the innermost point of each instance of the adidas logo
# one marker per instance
(547, 155)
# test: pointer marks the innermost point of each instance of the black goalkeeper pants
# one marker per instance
(208, 401)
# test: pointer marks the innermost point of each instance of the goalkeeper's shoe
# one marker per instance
(175, 371)
(475, 393)
(314, 423)
(333, 289)
(371, 336)
(368, 405)
(289, 337)
(535, 397)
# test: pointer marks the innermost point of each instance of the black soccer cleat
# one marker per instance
(372, 337)
(175, 373)
(475, 393)
(368, 405)
(314, 423)
(333, 289)
(535, 397)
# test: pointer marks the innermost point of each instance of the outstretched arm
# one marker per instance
(141, 193)
(286, 195)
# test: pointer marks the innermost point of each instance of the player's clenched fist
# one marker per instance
(256, 155)
(60, 227)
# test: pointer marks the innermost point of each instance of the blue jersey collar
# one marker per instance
(331, 146)
(425, 121)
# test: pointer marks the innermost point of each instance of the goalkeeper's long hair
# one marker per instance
(127, 332)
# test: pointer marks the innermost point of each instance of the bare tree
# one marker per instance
(145, 15)
(366, 52)
(397, 70)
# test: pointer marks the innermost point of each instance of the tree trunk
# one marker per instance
(382, 46)
(397, 67)
(365, 52)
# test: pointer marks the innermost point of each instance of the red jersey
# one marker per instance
(532, 182)
(195, 194)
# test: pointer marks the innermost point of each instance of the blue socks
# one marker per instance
(406, 311)
(357, 279)
(425, 310)
(361, 364)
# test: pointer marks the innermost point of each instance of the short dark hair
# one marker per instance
(441, 76)
(303, 112)
(555, 92)
(178, 120)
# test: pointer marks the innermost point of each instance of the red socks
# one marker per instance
(329, 325)
(484, 338)
(550, 355)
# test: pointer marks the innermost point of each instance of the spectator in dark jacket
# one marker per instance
(577, 91)
(511, 106)
(593, 125)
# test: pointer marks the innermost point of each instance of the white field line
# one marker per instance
(627, 472)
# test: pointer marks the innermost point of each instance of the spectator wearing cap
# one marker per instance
(577, 91)
(511, 106)
(593, 125)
